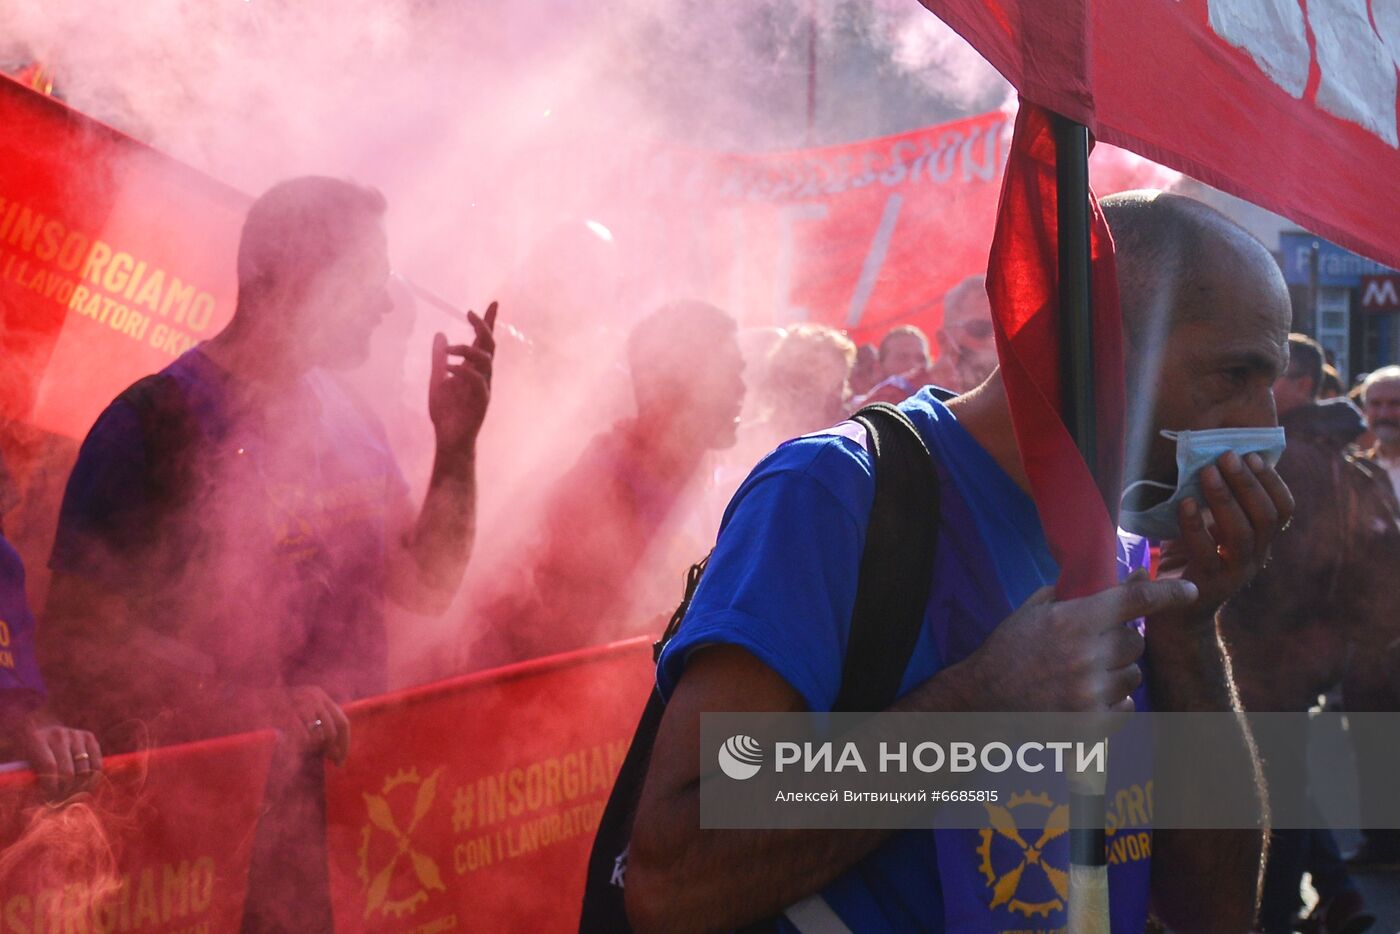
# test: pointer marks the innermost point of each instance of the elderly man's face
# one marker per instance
(968, 340)
(1219, 363)
(1383, 410)
(902, 353)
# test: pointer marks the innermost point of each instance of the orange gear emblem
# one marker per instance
(425, 875)
(1009, 880)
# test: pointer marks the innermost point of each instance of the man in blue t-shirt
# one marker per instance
(1206, 317)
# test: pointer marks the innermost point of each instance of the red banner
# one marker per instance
(114, 259)
(162, 845)
(1289, 104)
(863, 237)
(471, 804)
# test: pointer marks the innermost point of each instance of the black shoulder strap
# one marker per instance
(896, 571)
(692, 584)
(896, 567)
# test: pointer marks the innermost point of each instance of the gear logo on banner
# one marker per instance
(1020, 876)
(424, 875)
(740, 757)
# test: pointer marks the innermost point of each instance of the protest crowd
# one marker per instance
(241, 538)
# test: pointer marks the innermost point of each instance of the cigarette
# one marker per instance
(429, 296)
(446, 307)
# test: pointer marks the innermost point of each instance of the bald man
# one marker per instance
(1207, 317)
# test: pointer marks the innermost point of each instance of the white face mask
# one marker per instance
(1195, 450)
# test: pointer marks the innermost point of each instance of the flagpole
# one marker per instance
(1076, 309)
(1088, 910)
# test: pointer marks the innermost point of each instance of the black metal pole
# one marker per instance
(1076, 307)
(1088, 908)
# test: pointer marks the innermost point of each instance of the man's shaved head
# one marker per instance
(1171, 251)
(1205, 316)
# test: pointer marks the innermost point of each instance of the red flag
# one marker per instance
(1023, 284)
(1289, 104)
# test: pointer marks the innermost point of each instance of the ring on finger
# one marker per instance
(315, 724)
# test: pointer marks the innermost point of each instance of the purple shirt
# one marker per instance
(271, 572)
(20, 683)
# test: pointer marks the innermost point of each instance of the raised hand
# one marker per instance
(458, 393)
(1248, 505)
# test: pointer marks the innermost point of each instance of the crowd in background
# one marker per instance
(237, 525)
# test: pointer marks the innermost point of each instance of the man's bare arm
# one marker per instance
(1203, 880)
(425, 571)
(1209, 880)
(683, 878)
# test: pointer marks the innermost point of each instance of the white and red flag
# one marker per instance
(1287, 104)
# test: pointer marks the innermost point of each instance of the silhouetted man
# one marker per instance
(613, 547)
(235, 523)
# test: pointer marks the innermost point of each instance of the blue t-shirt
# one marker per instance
(21, 687)
(271, 569)
(782, 584)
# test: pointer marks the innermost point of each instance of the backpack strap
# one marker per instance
(692, 584)
(896, 566)
(896, 574)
